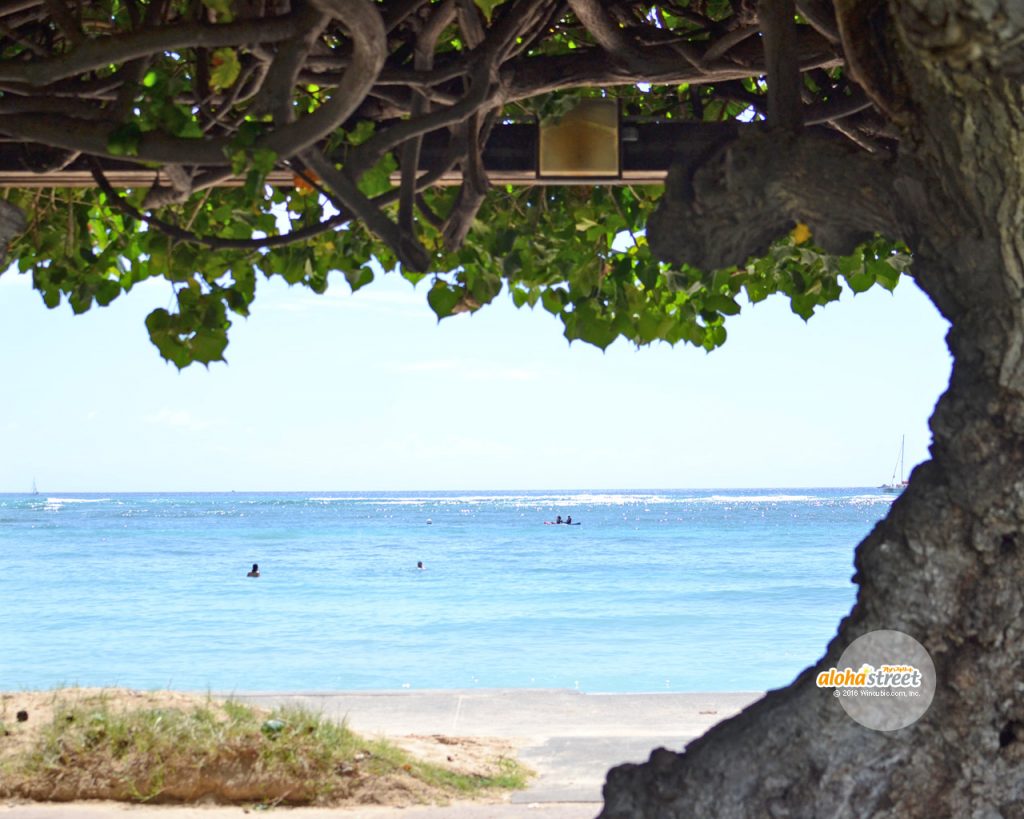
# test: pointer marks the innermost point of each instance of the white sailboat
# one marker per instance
(896, 486)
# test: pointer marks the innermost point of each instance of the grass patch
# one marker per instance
(94, 747)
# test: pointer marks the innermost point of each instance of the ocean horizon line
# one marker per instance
(478, 490)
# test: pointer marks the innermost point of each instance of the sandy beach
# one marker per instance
(569, 738)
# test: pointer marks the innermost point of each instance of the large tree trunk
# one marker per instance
(947, 564)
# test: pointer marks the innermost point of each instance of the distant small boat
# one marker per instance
(34, 490)
(896, 486)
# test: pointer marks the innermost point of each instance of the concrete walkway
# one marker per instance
(571, 739)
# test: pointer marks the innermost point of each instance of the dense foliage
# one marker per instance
(315, 112)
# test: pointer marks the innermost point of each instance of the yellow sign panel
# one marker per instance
(583, 143)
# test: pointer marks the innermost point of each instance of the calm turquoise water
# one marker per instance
(655, 591)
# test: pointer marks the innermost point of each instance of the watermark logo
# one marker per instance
(885, 680)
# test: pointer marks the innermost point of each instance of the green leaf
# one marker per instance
(377, 180)
(488, 7)
(553, 300)
(224, 68)
(107, 291)
(161, 333)
(803, 306)
(883, 273)
(484, 287)
(721, 304)
(587, 324)
(239, 161)
(360, 277)
(860, 282)
(647, 270)
(520, 296)
(721, 280)
(442, 299)
(248, 133)
(124, 140)
(263, 160)
(362, 132)
(208, 345)
(189, 130)
(222, 8)
(502, 241)
(511, 264)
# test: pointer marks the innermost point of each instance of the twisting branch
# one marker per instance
(369, 153)
(821, 15)
(527, 77)
(470, 23)
(409, 251)
(275, 94)
(473, 191)
(428, 212)
(606, 32)
(24, 42)
(620, 46)
(369, 52)
(483, 92)
(838, 108)
(723, 44)
(426, 43)
(104, 51)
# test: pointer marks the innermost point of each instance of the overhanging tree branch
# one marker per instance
(99, 53)
(729, 207)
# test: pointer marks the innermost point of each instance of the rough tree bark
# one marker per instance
(947, 564)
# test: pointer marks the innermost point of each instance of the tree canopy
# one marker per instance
(286, 139)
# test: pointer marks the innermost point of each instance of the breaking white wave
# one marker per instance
(863, 500)
(517, 501)
(53, 504)
(752, 499)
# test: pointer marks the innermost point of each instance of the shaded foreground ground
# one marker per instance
(569, 738)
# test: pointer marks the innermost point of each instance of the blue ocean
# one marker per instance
(696, 590)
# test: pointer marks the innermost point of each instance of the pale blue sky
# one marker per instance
(368, 391)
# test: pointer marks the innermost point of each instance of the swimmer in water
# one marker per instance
(255, 570)
(420, 566)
